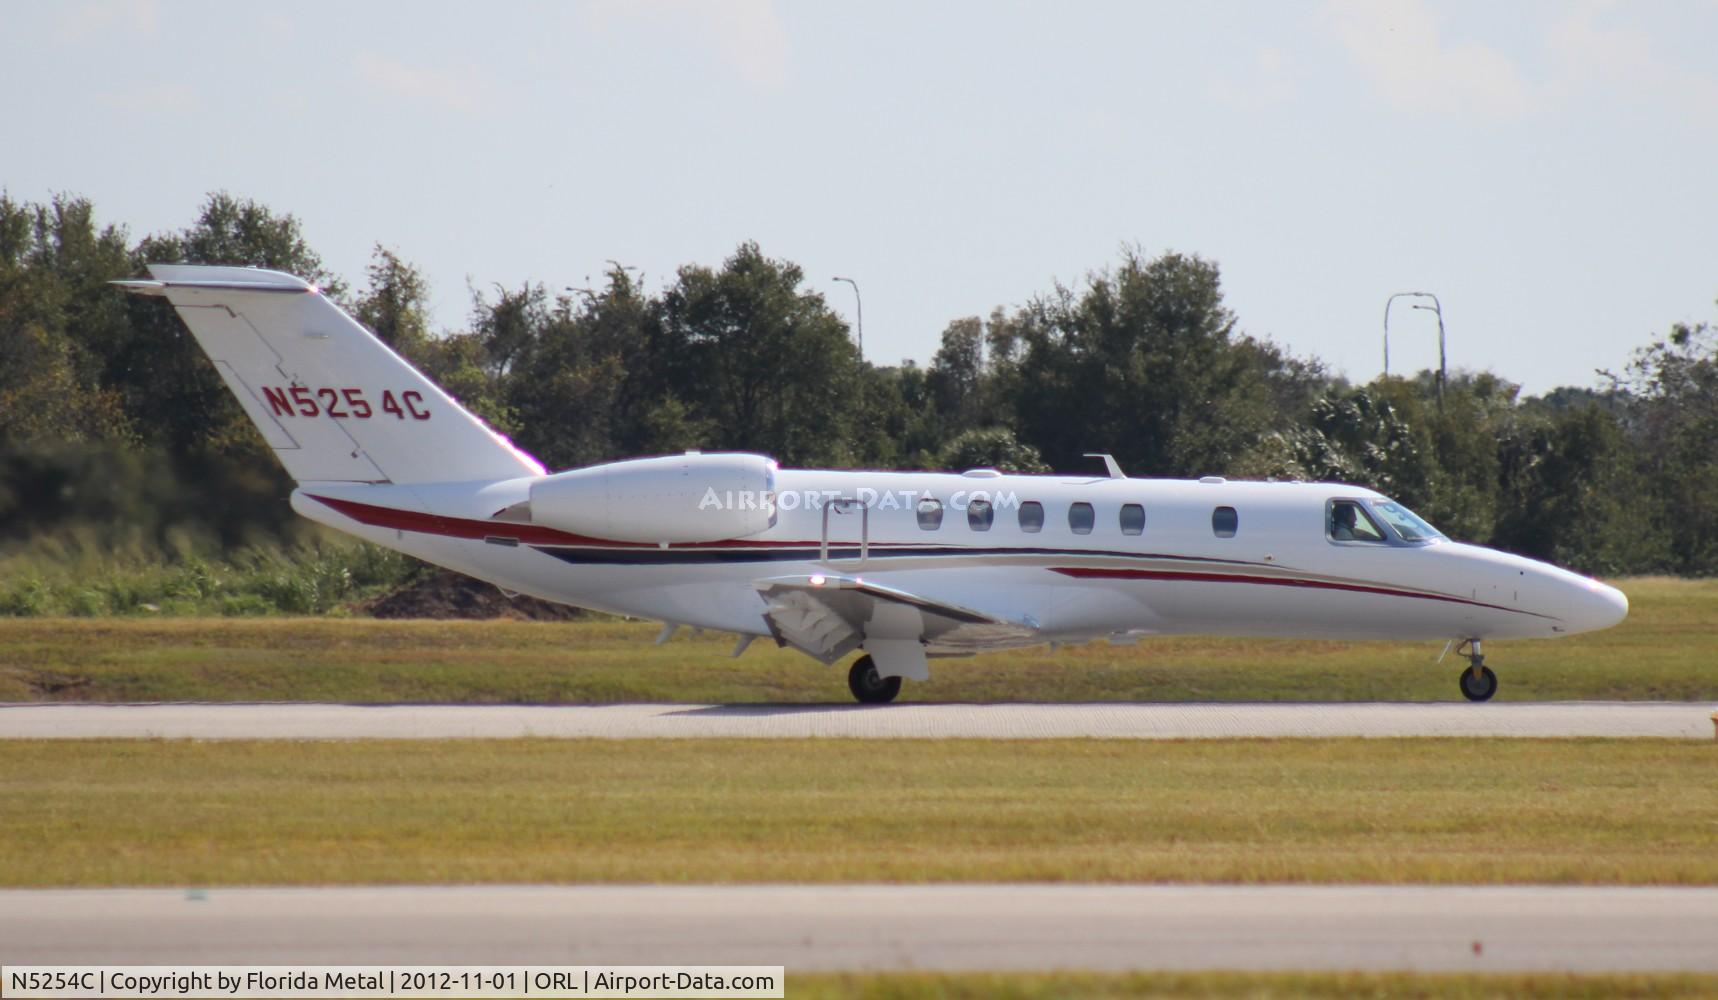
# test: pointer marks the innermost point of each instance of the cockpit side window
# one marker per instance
(1410, 526)
(1350, 522)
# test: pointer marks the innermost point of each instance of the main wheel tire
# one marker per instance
(870, 687)
(1479, 688)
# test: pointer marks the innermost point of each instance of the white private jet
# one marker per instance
(904, 566)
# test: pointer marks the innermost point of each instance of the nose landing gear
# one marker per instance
(1478, 683)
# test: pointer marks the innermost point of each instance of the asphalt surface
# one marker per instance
(966, 721)
(876, 927)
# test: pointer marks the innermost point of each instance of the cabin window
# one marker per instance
(1081, 518)
(1349, 522)
(1224, 521)
(1032, 517)
(930, 513)
(979, 514)
(1132, 519)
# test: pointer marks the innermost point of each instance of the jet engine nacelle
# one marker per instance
(676, 499)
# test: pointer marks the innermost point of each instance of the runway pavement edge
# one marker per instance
(880, 927)
(303, 721)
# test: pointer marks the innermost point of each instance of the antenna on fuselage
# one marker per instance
(1109, 463)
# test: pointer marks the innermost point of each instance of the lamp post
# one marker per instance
(1435, 308)
(859, 306)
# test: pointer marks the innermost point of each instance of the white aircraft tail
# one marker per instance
(333, 402)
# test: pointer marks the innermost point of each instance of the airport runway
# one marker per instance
(876, 927)
(1675, 720)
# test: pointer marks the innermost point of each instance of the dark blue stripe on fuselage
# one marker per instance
(691, 557)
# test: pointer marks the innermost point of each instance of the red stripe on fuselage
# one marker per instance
(530, 534)
(1100, 573)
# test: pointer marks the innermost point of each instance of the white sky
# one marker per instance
(1550, 170)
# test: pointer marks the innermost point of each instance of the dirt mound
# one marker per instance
(446, 594)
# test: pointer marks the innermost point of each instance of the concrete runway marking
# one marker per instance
(876, 927)
(298, 721)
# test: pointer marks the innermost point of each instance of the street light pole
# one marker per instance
(859, 305)
(1436, 308)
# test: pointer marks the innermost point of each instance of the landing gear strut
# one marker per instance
(1478, 683)
(869, 686)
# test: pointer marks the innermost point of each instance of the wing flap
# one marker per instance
(830, 616)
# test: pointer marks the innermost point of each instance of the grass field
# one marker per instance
(535, 811)
(1237, 985)
(1668, 649)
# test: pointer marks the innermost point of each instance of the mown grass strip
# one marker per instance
(534, 811)
(1667, 650)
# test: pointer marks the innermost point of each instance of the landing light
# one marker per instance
(817, 581)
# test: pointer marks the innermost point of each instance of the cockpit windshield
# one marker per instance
(1407, 524)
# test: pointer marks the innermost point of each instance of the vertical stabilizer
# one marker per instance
(333, 402)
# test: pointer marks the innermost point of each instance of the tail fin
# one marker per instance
(333, 402)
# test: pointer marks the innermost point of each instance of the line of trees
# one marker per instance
(110, 417)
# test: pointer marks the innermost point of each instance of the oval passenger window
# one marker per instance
(930, 513)
(1224, 521)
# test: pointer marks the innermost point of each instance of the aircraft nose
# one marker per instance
(1596, 605)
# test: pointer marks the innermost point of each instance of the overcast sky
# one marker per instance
(1549, 169)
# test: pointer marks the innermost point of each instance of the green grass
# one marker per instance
(1237, 985)
(1668, 649)
(81, 575)
(105, 813)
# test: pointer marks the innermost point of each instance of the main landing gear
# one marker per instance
(1478, 683)
(869, 686)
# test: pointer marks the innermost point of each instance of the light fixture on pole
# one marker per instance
(859, 305)
(1435, 308)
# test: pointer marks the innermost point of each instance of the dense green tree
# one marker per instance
(1672, 421)
(1144, 363)
(56, 314)
(395, 306)
(169, 388)
(766, 363)
(242, 233)
(1570, 495)
(991, 448)
(957, 375)
(111, 421)
(583, 375)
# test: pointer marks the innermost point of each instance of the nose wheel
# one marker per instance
(1478, 683)
(870, 687)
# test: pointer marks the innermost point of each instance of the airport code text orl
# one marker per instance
(391, 981)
